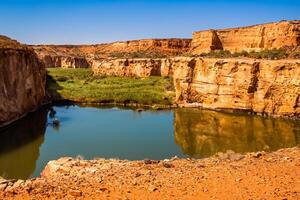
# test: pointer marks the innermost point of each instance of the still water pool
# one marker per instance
(27, 146)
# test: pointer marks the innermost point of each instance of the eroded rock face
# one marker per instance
(80, 56)
(262, 86)
(22, 80)
(65, 61)
(285, 34)
(133, 67)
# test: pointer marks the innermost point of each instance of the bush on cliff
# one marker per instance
(137, 54)
(80, 85)
(265, 54)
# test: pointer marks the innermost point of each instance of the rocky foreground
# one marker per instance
(224, 176)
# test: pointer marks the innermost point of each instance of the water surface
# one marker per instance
(27, 146)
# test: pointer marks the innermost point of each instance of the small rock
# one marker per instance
(103, 189)
(235, 157)
(167, 165)
(222, 156)
(238, 180)
(201, 165)
(230, 152)
(152, 188)
(75, 193)
(257, 155)
(174, 158)
(138, 174)
(10, 183)
(147, 161)
(139, 110)
(287, 159)
(3, 186)
(18, 183)
(134, 182)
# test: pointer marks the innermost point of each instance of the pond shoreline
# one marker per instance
(173, 178)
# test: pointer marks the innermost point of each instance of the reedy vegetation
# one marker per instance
(79, 85)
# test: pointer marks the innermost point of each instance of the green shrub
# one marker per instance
(137, 54)
(264, 54)
(269, 54)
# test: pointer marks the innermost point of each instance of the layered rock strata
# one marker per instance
(260, 86)
(284, 34)
(65, 61)
(144, 67)
(22, 80)
(80, 56)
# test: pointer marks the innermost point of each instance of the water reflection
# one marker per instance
(202, 133)
(26, 147)
(20, 145)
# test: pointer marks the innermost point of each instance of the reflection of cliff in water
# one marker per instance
(201, 133)
(20, 145)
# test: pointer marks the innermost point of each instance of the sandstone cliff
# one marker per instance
(285, 34)
(260, 86)
(143, 67)
(65, 61)
(22, 80)
(75, 56)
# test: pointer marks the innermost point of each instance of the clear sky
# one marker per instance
(91, 21)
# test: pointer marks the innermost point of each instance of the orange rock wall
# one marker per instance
(252, 38)
(260, 86)
(22, 81)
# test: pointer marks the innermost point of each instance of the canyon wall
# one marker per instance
(143, 67)
(22, 80)
(260, 86)
(81, 56)
(284, 34)
(65, 61)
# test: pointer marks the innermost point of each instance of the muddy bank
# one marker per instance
(224, 176)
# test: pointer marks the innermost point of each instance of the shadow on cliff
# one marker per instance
(20, 145)
(52, 88)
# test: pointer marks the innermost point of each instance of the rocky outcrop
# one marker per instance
(260, 86)
(22, 80)
(144, 67)
(65, 61)
(284, 34)
(69, 178)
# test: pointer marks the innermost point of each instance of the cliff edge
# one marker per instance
(22, 80)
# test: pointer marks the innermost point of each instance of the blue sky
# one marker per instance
(91, 21)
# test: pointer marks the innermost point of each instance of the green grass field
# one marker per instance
(79, 85)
